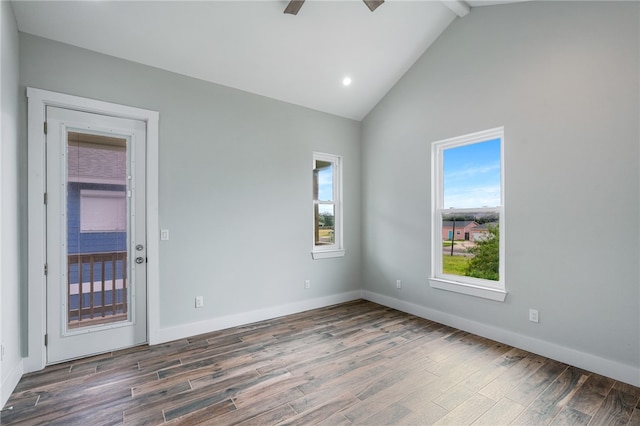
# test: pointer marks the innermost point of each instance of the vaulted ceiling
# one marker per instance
(255, 47)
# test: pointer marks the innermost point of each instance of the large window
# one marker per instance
(327, 206)
(468, 214)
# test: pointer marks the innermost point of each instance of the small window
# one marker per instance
(102, 211)
(327, 206)
(467, 199)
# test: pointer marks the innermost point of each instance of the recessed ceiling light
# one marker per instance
(346, 81)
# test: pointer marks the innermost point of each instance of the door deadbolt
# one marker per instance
(139, 247)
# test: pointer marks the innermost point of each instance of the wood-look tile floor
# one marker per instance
(353, 363)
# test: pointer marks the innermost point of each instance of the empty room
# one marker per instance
(320, 212)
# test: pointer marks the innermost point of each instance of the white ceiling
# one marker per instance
(254, 46)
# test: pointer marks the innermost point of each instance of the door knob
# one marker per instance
(139, 260)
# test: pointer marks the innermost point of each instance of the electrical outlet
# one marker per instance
(164, 234)
(533, 315)
(307, 283)
(199, 301)
(398, 283)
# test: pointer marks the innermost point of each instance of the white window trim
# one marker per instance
(493, 290)
(336, 249)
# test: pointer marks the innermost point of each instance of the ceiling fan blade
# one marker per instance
(373, 4)
(293, 7)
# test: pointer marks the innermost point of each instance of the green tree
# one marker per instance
(487, 218)
(327, 220)
(486, 260)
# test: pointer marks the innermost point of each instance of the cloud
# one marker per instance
(462, 197)
(467, 173)
(325, 184)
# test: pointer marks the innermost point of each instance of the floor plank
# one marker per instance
(554, 398)
(321, 411)
(270, 402)
(635, 417)
(467, 412)
(503, 412)
(592, 394)
(569, 417)
(617, 408)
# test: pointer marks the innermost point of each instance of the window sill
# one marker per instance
(468, 289)
(327, 254)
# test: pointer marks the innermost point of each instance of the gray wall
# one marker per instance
(235, 183)
(562, 77)
(11, 308)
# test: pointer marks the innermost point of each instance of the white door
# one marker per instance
(96, 242)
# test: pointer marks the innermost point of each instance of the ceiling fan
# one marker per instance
(294, 5)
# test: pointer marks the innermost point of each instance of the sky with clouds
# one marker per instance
(472, 175)
(325, 183)
(325, 189)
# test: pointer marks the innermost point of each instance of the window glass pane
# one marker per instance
(323, 181)
(472, 175)
(102, 211)
(471, 244)
(325, 224)
(97, 235)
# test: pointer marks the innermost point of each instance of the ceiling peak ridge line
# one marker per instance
(459, 7)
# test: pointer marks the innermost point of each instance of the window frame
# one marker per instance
(336, 249)
(90, 223)
(488, 289)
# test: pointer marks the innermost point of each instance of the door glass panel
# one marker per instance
(97, 230)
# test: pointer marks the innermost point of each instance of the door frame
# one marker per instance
(38, 100)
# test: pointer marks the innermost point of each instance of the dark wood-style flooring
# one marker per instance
(353, 363)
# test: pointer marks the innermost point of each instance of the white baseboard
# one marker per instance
(10, 382)
(615, 370)
(220, 323)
